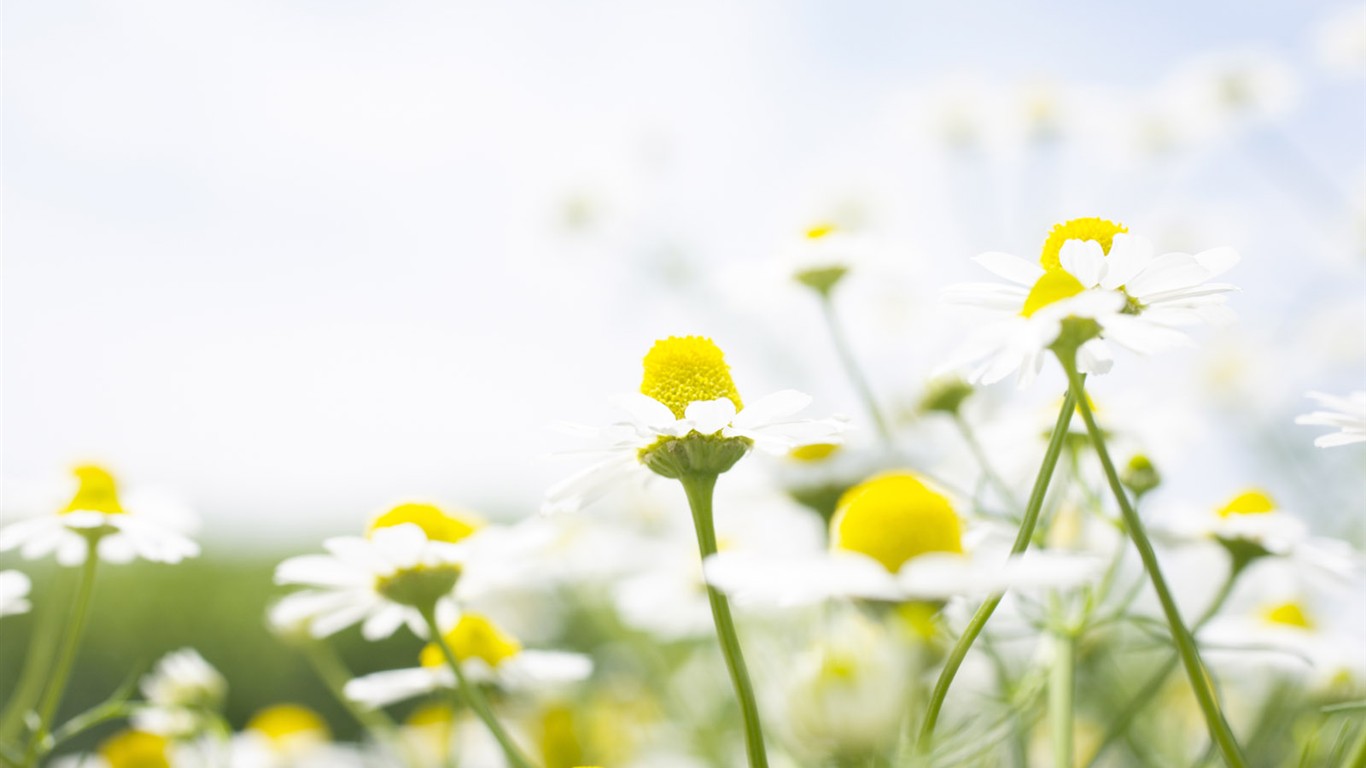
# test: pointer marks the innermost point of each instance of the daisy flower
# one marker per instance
(183, 692)
(893, 538)
(486, 653)
(1093, 269)
(14, 588)
(688, 410)
(289, 736)
(1347, 414)
(409, 557)
(97, 513)
(129, 748)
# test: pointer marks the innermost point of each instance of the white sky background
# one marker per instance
(299, 259)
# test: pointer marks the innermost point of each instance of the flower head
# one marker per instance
(97, 514)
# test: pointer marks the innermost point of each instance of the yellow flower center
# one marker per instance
(1288, 615)
(819, 231)
(1251, 502)
(559, 738)
(681, 370)
(431, 714)
(474, 637)
(135, 749)
(1090, 228)
(284, 723)
(894, 517)
(813, 452)
(97, 492)
(1054, 285)
(438, 525)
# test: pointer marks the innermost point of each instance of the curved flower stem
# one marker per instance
(475, 698)
(66, 656)
(699, 488)
(852, 369)
(1357, 758)
(1022, 539)
(1061, 687)
(1185, 641)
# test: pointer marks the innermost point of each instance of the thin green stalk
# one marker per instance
(988, 471)
(1185, 642)
(330, 668)
(1120, 726)
(1061, 688)
(1022, 539)
(37, 661)
(474, 697)
(852, 369)
(1358, 753)
(699, 488)
(66, 657)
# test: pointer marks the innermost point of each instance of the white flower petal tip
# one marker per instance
(1345, 414)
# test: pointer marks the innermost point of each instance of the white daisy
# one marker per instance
(411, 554)
(124, 529)
(893, 538)
(687, 393)
(1090, 268)
(14, 588)
(133, 748)
(183, 692)
(486, 654)
(1347, 414)
(290, 736)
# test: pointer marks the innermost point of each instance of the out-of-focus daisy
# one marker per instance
(1347, 414)
(825, 254)
(1340, 41)
(97, 511)
(128, 748)
(893, 538)
(14, 588)
(183, 694)
(687, 400)
(1222, 91)
(289, 736)
(1090, 268)
(486, 653)
(410, 556)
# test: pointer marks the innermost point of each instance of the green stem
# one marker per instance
(699, 488)
(1121, 724)
(1185, 641)
(37, 662)
(1358, 753)
(1061, 688)
(852, 369)
(1022, 539)
(66, 657)
(474, 697)
(330, 668)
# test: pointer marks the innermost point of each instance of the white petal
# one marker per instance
(710, 416)
(384, 688)
(1167, 272)
(771, 408)
(645, 411)
(1010, 267)
(1085, 259)
(1218, 260)
(589, 484)
(1128, 256)
(321, 571)
(531, 669)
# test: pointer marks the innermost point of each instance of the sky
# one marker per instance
(298, 259)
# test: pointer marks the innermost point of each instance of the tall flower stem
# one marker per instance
(1181, 635)
(1022, 539)
(37, 664)
(1061, 687)
(66, 655)
(851, 367)
(700, 487)
(475, 698)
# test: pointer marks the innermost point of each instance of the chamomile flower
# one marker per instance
(97, 512)
(688, 411)
(183, 694)
(1347, 414)
(893, 538)
(486, 653)
(825, 254)
(14, 588)
(1090, 268)
(409, 557)
(289, 736)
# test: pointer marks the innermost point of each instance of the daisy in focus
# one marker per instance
(486, 652)
(98, 514)
(688, 413)
(1347, 414)
(1091, 269)
(893, 538)
(14, 589)
(409, 557)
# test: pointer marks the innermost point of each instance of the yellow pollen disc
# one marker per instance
(559, 738)
(1289, 615)
(1251, 502)
(894, 517)
(1055, 285)
(474, 637)
(287, 722)
(1090, 228)
(431, 714)
(438, 525)
(135, 749)
(819, 231)
(813, 452)
(685, 369)
(97, 492)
